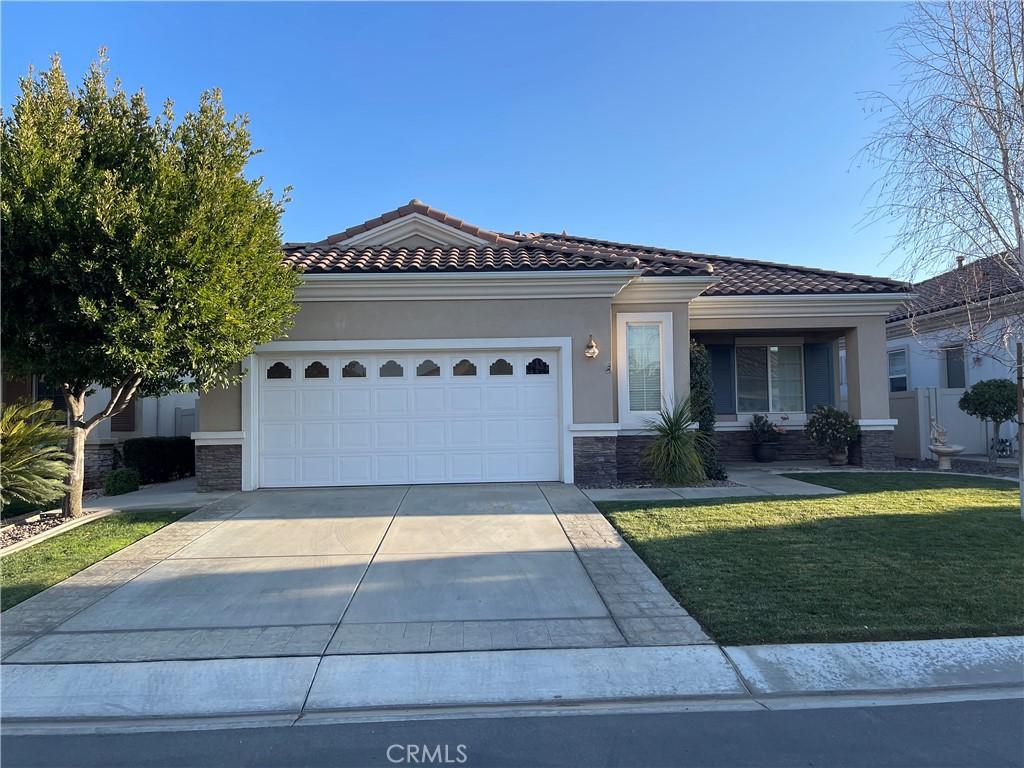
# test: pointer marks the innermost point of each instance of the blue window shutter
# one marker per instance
(819, 377)
(722, 377)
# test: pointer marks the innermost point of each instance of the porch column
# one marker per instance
(867, 382)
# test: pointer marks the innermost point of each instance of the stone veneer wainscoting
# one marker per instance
(99, 461)
(219, 467)
(606, 461)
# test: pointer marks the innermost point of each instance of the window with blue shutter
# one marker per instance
(819, 375)
(723, 379)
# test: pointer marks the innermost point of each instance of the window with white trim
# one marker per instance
(769, 378)
(898, 379)
(644, 358)
(956, 371)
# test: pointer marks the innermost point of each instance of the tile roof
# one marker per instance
(977, 282)
(418, 206)
(736, 277)
(551, 251)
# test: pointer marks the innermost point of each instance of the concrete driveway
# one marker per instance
(355, 570)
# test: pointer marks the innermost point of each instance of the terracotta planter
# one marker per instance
(838, 458)
(765, 452)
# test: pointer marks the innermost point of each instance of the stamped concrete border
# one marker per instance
(643, 609)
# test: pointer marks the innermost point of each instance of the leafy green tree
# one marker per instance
(33, 465)
(703, 405)
(136, 255)
(992, 400)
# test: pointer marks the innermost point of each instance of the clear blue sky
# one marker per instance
(724, 128)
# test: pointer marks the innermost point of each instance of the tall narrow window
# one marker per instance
(787, 374)
(752, 379)
(898, 370)
(956, 374)
(643, 344)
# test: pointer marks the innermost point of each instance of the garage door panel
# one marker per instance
(467, 467)
(357, 436)
(392, 468)
(429, 434)
(473, 422)
(278, 404)
(354, 402)
(391, 434)
(317, 470)
(316, 403)
(278, 438)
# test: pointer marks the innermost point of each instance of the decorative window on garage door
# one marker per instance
(537, 367)
(501, 367)
(392, 370)
(279, 371)
(428, 368)
(353, 370)
(317, 370)
(464, 368)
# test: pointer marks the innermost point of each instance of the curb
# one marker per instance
(214, 693)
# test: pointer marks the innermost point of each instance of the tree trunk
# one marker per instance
(76, 480)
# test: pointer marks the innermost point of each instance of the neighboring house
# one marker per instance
(170, 415)
(428, 350)
(931, 353)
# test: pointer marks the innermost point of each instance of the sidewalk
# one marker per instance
(291, 689)
(177, 494)
(751, 482)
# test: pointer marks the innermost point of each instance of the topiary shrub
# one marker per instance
(159, 459)
(120, 481)
(702, 404)
(992, 400)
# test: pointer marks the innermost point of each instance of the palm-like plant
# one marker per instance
(674, 455)
(33, 462)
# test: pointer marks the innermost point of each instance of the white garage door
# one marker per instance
(392, 418)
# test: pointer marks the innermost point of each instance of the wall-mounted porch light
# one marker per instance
(591, 350)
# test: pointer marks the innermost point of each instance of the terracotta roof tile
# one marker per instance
(736, 277)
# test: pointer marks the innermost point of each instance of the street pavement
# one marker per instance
(981, 734)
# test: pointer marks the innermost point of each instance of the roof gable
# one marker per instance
(415, 225)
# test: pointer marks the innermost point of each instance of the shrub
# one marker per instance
(33, 462)
(159, 459)
(832, 428)
(674, 455)
(993, 400)
(120, 481)
(764, 430)
(703, 404)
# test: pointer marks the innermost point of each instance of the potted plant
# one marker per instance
(833, 429)
(766, 435)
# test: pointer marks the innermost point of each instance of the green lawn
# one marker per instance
(25, 573)
(900, 556)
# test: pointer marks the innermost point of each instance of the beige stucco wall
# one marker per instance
(593, 390)
(680, 342)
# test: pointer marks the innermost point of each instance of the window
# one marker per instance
(464, 368)
(643, 344)
(316, 370)
(537, 367)
(643, 365)
(54, 394)
(770, 379)
(501, 367)
(279, 371)
(428, 368)
(956, 375)
(124, 421)
(898, 370)
(354, 370)
(391, 370)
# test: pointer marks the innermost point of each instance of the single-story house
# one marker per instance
(167, 416)
(429, 350)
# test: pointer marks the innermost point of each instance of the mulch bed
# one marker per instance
(960, 465)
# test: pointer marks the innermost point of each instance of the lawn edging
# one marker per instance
(59, 529)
